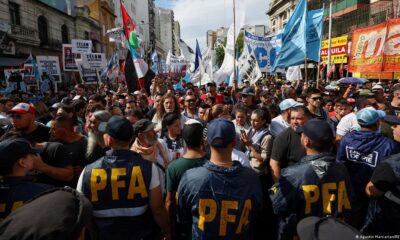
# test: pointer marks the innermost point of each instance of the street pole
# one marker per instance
(330, 35)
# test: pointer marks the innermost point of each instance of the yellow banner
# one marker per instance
(336, 42)
(397, 75)
(374, 75)
(335, 58)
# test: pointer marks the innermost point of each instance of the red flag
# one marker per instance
(127, 21)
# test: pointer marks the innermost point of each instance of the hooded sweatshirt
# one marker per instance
(361, 151)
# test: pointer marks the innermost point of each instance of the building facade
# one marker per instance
(165, 28)
(279, 13)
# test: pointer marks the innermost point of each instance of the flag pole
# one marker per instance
(330, 34)
(305, 70)
(234, 43)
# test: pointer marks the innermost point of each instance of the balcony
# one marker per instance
(24, 35)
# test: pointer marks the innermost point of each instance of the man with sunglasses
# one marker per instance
(23, 117)
(190, 111)
(314, 100)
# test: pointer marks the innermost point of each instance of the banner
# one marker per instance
(376, 48)
(68, 58)
(249, 70)
(265, 49)
(88, 75)
(116, 34)
(29, 74)
(338, 50)
(94, 60)
(50, 66)
(176, 64)
(81, 46)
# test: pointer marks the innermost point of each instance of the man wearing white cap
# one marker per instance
(281, 122)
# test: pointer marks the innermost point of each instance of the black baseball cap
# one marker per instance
(192, 131)
(143, 125)
(65, 220)
(317, 130)
(325, 228)
(392, 119)
(118, 128)
(12, 150)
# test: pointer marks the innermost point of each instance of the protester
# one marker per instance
(361, 151)
(171, 135)
(190, 111)
(287, 147)
(96, 147)
(282, 121)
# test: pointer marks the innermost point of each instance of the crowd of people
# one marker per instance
(269, 160)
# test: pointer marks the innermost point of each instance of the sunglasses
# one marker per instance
(190, 100)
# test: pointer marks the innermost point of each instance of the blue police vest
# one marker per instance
(14, 191)
(118, 187)
(316, 186)
(218, 202)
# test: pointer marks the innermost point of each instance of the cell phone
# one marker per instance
(242, 131)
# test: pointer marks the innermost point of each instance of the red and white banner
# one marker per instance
(376, 48)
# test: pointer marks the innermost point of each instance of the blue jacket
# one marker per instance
(218, 202)
(383, 215)
(118, 187)
(315, 186)
(361, 152)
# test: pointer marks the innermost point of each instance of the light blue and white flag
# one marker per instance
(314, 33)
(294, 39)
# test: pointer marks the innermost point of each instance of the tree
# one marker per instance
(220, 53)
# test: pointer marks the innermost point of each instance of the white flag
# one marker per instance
(227, 65)
(240, 16)
(249, 70)
(294, 73)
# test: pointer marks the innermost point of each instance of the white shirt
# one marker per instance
(278, 124)
(348, 124)
(241, 157)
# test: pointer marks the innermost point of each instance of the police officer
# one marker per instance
(383, 214)
(316, 186)
(124, 189)
(16, 160)
(219, 199)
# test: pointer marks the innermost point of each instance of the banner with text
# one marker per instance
(29, 74)
(265, 49)
(81, 46)
(94, 60)
(50, 66)
(376, 48)
(338, 50)
(68, 58)
(88, 75)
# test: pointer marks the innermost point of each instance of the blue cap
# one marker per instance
(317, 130)
(119, 128)
(248, 91)
(221, 132)
(289, 103)
(369, 116)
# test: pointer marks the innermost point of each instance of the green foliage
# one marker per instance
(220, 53)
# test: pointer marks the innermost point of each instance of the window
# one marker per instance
(86, 34)
(14, 13)
(42, 26)
(64, 34)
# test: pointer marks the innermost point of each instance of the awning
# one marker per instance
(11, 62)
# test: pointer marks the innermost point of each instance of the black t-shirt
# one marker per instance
(76, 152)
(40, 134)
(287, 148)
(383, 177)
(394, 111)
(53, 154)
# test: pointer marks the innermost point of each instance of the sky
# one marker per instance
(198, 16)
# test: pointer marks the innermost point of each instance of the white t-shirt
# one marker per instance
(278, 125)
(348, 124)
(241, 157)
